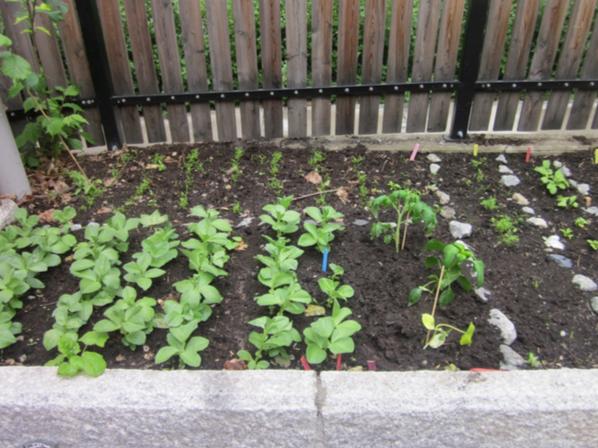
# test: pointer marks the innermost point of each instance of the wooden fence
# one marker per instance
(197, 70)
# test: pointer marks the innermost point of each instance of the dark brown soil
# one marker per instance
(552, 317)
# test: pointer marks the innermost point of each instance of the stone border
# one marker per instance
(285, 408)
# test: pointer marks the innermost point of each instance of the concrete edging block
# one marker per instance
(553, 408)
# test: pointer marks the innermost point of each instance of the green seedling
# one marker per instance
(71, 360)
(181, 344)
(408, 208)
(290, 299)
(316, 160)
(439, 332)
(131, 317)
(533, 361)
(553, 180)
(191, 165)
(582, 223)
(567, 232)
(235, 168)
(489, 204)
(327, 221)
(89, 189)
(357, 162)
(507, 228)
(274, 182)
(332, 287)
(280, 263)
(236, 208)
(330, 334)
(273, 341)
(567, 201)
(278, 216)
(593, 244)
(158, 161)
(363, 190)
(478, 164)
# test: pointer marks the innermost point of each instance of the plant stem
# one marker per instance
(305, 196)
(405, 232)
(436, 296)
(398, 230)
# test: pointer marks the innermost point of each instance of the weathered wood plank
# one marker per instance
(517, 61)
(76, 61)
(247, 70)
(197, 78)
(127, 116)
(547, 43)
(348, 40)
(222, 73)
(569, 60)
(398, 61)
(147, 79)
(494, 45)
(321, 63)
(446, 62)
(296, 33)
(584, 100)
(423, 62)
(49, 53)
(373, 52)
(271, 64)
(170, 64)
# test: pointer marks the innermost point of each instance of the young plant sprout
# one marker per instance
(320, 233)
(457, 265)
(278, 216)
(553, 180)
(332, 287)
(408, 207)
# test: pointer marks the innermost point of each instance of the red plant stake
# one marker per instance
(304, 363)
(339, 361)
(372, 366)
(528, 155)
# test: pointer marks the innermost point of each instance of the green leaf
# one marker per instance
(428, 321)
(94, 338)
(437, 340)
(190, 358)
(446, 297)
(93, 364)
(306, 240)
(450, 253)
(314, 354)
(197, 344)
(415, 295)
(68, 369)
(165, 353)
(344, 345)
(467, 337)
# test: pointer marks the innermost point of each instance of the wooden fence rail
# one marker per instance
(197, 70)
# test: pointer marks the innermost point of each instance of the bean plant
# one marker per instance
(456, 265)
(553, 179)
(320, 233)
(408, 209)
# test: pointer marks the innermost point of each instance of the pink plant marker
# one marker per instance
(372, 365)
(414, 152)
(339, 361)
(528, 155)
(304, 363)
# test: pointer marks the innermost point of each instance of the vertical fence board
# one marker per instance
(373, 52)
(245, 44)
(271, 64)
(122, 81)
(49, 53)
(446, 62)
(398, 61)
(197, 77)
(423, 63)
(76, 61)
(569, 60)
(296, 31)
(584, 100)
(348, 40)
(222, 73)
(321, 64)
(170, 64)
(141, 47)
(542, 61)
(517, 60)
(494, 44)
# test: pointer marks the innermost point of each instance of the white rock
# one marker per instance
(538, 222)
(585, 283)
(511, 359)
(361, 222)
(594, 304)
(519, 199)
(557, 164)
(76, 227)
(528, 210)
(510, 180)
(584, 189)
(504, 169)
(483, 294)
(554, 242)
(448, 212)
(592, 210)
(566, 171)
(460, 229)
(434, 168)
(501, 158)
(443, 198)
(7, 212)
(245, 222)
(433, 158)
(507, 329)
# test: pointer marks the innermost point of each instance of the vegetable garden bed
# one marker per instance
(553, 318)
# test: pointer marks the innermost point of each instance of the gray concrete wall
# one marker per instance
(132, 408)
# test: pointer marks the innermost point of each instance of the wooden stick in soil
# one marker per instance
(405, 232)
(436, 296)
(318, 193)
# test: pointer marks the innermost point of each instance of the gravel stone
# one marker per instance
(434, 168)
(592, 210)
(460, 229)
(538, 222)
(448, 212)
(245, 222)
(519, 199)
(433, 158)
(483, 294)
(504, 169)
(511, 359)
(507, 328)
(562, 261)
(443, 198)
(510, 180)
(584, 189)
(528, 210)
(361, 222)
(7, 212)
(554, 242)
(501, 158)
(585, 283)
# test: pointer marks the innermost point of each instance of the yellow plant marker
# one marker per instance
(476, 149)
(596, 156)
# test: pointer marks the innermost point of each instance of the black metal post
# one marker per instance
(470, 65)
(95, 49)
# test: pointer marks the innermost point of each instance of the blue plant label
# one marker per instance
(325, 260)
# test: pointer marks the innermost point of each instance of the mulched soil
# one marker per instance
(552, 317)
